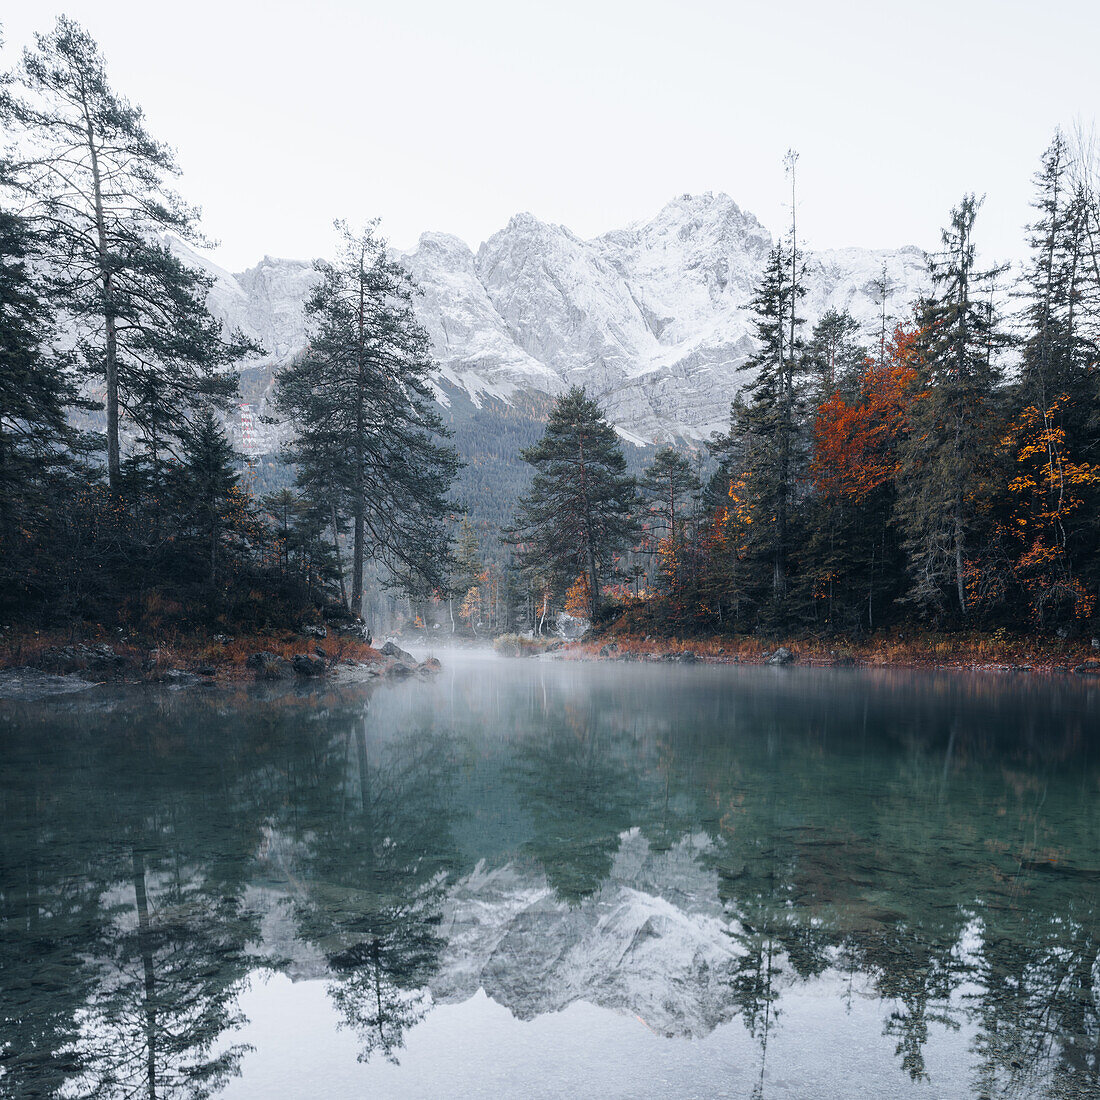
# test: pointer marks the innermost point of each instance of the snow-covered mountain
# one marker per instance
(653, 319)
(654, 941)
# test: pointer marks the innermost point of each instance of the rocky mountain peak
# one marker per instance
(654, 318)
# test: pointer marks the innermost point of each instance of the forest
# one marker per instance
(945, 474)
(122, 502)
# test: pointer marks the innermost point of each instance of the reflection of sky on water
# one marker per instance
(534, 878)
(478, 1049)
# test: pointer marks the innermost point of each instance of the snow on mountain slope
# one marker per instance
(693, 267)
(654, 319)
(277, 291)
(653, 941)
(564, 303)
(850, 278)
(473, 344)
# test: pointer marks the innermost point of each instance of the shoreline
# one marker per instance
(948, 653)
(39, 663)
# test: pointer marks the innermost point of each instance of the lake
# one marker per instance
(540, 879)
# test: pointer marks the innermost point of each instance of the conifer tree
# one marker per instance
(298, 524)
(670, 485)
(768, 428)
(948, 455)
(582, 507)
(468, 567)
(834, 355)
(1055, 492)
(368, 436)
(36, 386)
(96, 185)
(724, 536)
(212, 507)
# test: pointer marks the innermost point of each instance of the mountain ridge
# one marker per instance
(654, 319)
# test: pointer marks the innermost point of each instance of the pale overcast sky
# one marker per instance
(453, 116)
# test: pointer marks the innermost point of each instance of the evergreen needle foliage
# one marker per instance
(582, 507)
(369, 442)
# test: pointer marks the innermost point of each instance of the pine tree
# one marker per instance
(281, 510)
(582, 506)
(36, 386)
(768, 429)
(834, 356)
(97, 190)
(468, 568)
(212, 507)
(948, 456)
(1055, 492)
(368, 436)
(670, 485)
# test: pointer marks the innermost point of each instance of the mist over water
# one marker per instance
(541, 878)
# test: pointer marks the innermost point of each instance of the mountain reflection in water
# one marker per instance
(693, 849)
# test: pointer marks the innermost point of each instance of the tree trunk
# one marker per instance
(4, 502)
(111, 343)
(339, 563)
(360, 460)
(593, 586)
(960, 561)
(357, 561)
(213, 554)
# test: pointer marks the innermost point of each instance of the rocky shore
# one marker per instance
(38, 665)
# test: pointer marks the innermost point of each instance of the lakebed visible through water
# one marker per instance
(539, 878)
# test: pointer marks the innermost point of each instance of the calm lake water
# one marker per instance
(540, 879)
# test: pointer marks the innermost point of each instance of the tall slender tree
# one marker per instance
(95, 187)
(213, 510)
(368, 436)
(670, 485)
(948, 455)
(768, 429)
(1056, 491)
(834, 355)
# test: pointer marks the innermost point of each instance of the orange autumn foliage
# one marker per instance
(1047, 490)
(855, 444)
(577, 600)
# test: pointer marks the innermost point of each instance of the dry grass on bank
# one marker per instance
(142, 657)
(908, 650)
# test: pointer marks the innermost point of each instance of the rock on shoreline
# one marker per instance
(30, 684)
(56, 669)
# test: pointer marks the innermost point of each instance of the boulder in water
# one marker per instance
(390, 649)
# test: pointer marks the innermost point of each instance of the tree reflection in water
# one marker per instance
(372, 880)
(929, 842)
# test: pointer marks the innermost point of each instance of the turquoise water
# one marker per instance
(531, 878)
